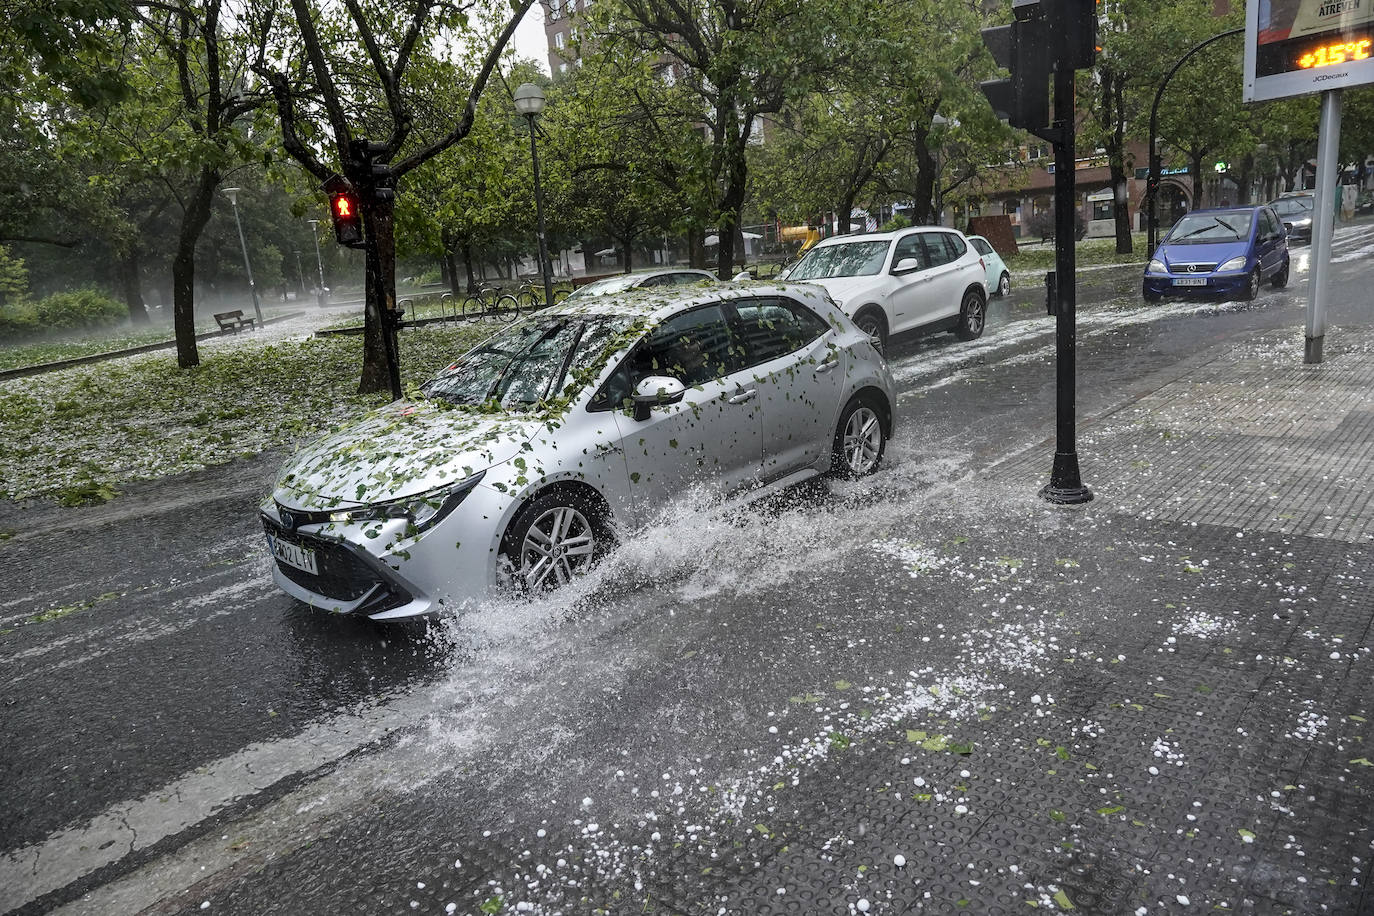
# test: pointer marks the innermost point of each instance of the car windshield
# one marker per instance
(530, 362)
(1202, 228)
(1292, 206)
(606, 287)
(847, 259)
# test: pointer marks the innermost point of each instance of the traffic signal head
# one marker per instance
(1022, 48)
(1074, 24)
(348, 220)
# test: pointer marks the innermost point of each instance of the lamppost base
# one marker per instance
(1312, 349)
(1066, 486)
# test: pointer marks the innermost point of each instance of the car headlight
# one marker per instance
(1236, 263)
(1156, 266)
(423, 511)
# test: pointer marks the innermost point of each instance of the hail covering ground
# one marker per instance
(1120, 709)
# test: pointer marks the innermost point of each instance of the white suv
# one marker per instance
(926, 278)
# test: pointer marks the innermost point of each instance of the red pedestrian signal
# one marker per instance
(348, 222)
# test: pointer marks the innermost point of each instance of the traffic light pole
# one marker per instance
(1066, 485)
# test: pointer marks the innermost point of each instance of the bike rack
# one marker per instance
(401, 305)
(443, 313)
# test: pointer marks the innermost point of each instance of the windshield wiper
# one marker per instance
(1201, 229)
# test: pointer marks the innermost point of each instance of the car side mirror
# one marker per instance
(1287, 230)
(743, 276)
(906, 266)
(654, 391)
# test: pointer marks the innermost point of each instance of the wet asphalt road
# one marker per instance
(143, 640)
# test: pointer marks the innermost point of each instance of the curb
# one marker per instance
(355, 330)
(40, 368)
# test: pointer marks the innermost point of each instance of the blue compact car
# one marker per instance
(1220, 254)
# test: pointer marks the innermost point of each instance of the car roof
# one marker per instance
(881, 236)
(1211, 210)
(659, 303)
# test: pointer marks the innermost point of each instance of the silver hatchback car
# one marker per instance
(529, 452)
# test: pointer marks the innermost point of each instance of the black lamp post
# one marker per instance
(529, 101)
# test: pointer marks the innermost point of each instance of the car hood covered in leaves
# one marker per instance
(402, 451)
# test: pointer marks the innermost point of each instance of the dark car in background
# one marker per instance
(1219, 254)
(1295, 210)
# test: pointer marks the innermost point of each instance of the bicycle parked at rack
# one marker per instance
(531, 296)
(490, 302)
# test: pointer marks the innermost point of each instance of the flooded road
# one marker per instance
(742, 710)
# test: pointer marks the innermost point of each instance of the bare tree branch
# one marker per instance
(460, 130)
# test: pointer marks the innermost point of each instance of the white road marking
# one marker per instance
(68, 855)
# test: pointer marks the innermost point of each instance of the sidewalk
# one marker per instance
(1173, 684)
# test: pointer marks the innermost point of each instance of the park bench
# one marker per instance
(233, 321)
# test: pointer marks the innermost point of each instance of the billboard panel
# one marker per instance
(1296, 47)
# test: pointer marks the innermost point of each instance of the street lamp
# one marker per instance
(319, 264)
(529, 101)
(233, 194)
(1152, 182)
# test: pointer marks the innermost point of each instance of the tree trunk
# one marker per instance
(1195, 170)
(1244, 179)
(846, 212)
(133, 293)
(193, 220)
(923, 195)
(696, 250)
(731, 207)
(473, 285)
(1114, 118)
(626, 246)
(380, 287)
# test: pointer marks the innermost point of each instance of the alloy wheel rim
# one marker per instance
(558, 546)
(1004, 286)
(870, 327)
(1254, 283)
(863, 441)
(975, 316)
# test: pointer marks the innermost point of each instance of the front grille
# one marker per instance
(1192, 268)
(342, 576)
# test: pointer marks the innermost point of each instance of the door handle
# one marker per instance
(828, 365)
(742, 396)
(604, 449)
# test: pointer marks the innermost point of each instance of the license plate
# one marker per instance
(1190, 281)
(303, 558)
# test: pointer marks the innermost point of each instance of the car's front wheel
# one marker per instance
(860, 439)
(1280, 279)
(557, 536)
(973, 315)
(872, 323)
(1004, 285)
(1252, 285)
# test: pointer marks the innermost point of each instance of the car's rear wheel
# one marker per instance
(872, 323)
(1004, 285)
(1280, 279)
(1252, 285)
(556, 537)
(860, 439)
(973, 315)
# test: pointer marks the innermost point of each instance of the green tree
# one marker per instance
(354, 79)
(734, 61)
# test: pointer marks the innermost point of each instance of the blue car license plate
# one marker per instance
(1190, 281)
